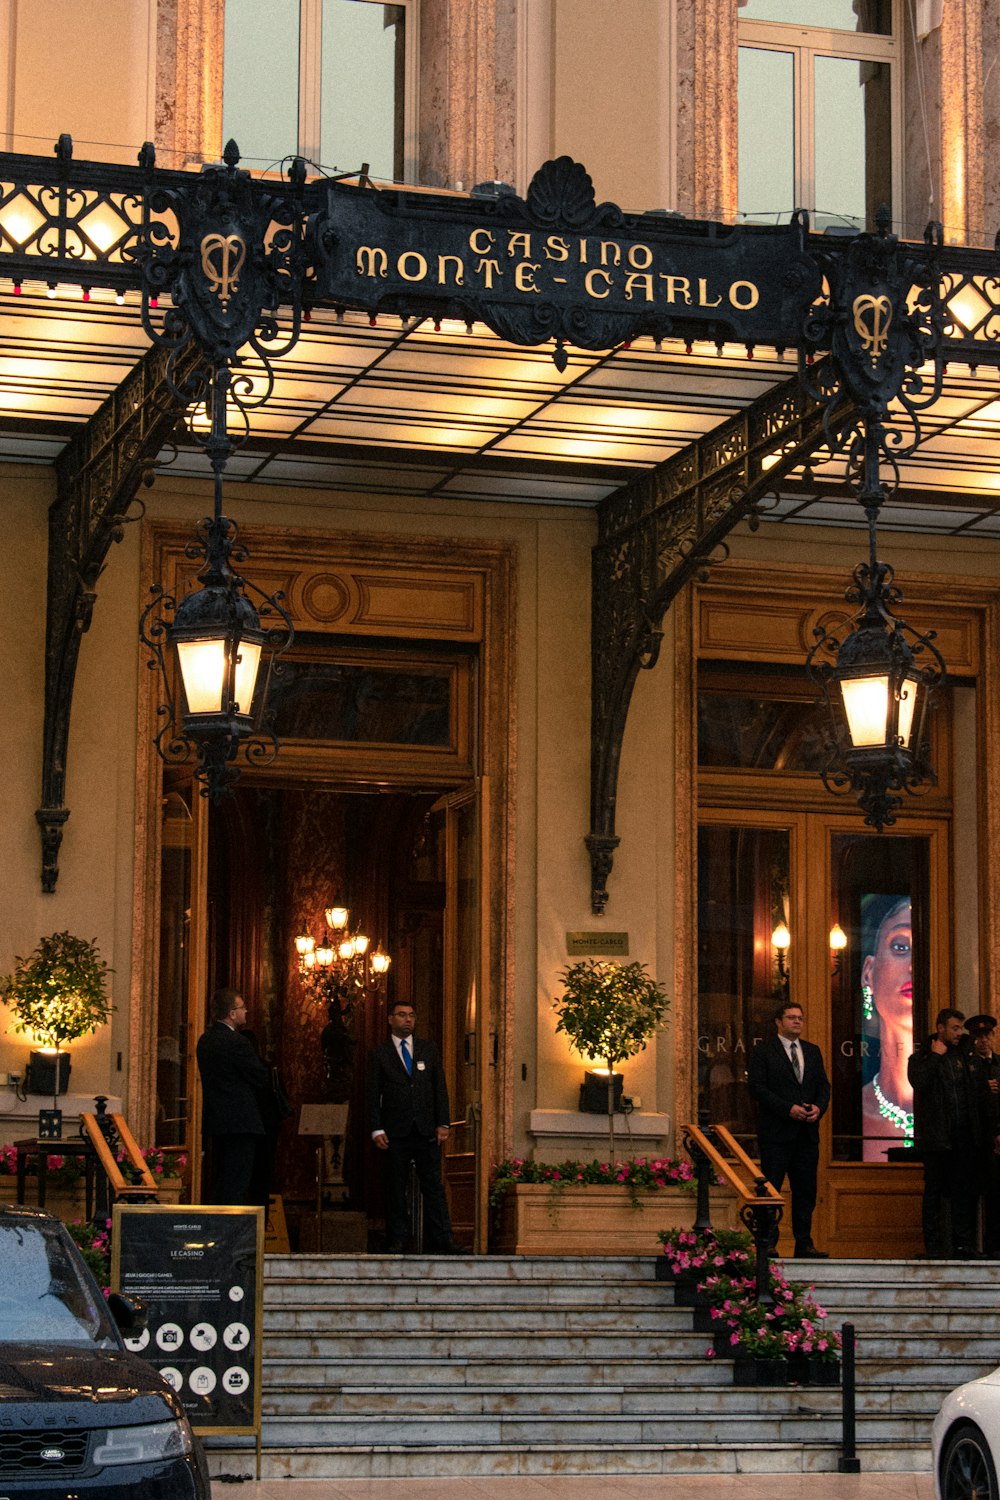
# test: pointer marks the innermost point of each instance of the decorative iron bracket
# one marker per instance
(656, 533)
(98, 476)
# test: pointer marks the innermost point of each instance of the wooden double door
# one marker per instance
(855, 927)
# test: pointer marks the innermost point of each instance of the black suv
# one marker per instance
(79, 1415)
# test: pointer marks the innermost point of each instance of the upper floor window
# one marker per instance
(819, 82)
(330, 80)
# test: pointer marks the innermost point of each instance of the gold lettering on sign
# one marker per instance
(641, 280)
(222, 257)
(476, 239)
(556, 248)
(703, 294)
(371, 260)
(518, 243)
(443, 261)
(746, 299)
(488, 269)
(589, 283)
(524, 275)
(640, 256)
(611, 250)
(403, 261)
(677, 286)
(872, 316)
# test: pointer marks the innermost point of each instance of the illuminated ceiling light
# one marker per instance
(969, 307)
(20, 219)
(103, 227)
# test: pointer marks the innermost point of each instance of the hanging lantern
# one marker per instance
(877, 695)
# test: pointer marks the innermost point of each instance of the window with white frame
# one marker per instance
(819, 110)
(330, 80)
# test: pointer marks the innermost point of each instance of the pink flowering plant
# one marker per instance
(162, 1162)
(723, 1265)
(63, 1171)
(637, 1173)
(94, 1241)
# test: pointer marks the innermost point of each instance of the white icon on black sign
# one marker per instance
(236, 1336)
(172, 1377)
(235, 1380)
(203, 1336)
(202, 1380)
(170, 1336)
(139, 1342)
(236, 1294)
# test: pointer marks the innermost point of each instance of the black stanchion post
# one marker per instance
(849, 1463)
(762, 1219)
(703, 1179)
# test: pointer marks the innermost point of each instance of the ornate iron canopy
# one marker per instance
(226, 264)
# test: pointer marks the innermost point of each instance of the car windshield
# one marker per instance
(45, 1295)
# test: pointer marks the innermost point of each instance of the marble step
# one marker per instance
(551, 1401)
(540, 1460)
(580, 1433)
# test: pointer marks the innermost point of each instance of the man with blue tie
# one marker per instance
(409, 1116)
(789, 1086)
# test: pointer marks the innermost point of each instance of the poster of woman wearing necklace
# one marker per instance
(887, 1023)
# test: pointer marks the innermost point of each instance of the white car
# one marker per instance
(966, 1442)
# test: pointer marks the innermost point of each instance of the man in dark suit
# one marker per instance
(409, 1117)
(788, 1083)
(234, 1084)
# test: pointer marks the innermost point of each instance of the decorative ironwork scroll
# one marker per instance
(98, 475)
(656, 533)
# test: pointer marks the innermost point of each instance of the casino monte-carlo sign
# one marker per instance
(559, 265)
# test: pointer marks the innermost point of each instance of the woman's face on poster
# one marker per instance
(889, 970)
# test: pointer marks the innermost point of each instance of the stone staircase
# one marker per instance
(387, 1366)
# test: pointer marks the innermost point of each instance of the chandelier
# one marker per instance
(341, 967)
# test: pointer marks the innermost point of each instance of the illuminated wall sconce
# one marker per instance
(781, 941)
(838, 942)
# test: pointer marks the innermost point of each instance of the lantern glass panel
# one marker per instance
(907, 707)
(866, 704)
(203, 668)
(247, 663)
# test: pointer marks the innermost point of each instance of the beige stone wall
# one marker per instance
(94, 895)
(79, 67)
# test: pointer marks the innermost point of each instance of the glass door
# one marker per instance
(852, 926)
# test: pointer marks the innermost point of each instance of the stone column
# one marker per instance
(707, 145)
(189, 56)
(468, 73)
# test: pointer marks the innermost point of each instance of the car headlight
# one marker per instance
(143, 1445)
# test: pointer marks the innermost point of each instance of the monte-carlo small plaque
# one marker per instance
(597, 944)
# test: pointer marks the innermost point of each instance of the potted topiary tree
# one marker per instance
(609, 1011)
(58, 993)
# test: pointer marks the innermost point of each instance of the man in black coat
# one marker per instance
(234, 1084)
(788, 1083)
(409, 1118)
(949, 1128)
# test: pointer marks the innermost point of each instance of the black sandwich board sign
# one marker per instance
(200, 1273)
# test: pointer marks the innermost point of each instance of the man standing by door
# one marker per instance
(788, 1083)
(234, 1083)
(409, 1118)
(949, 1126)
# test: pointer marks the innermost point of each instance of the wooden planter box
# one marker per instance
(534, 1219)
